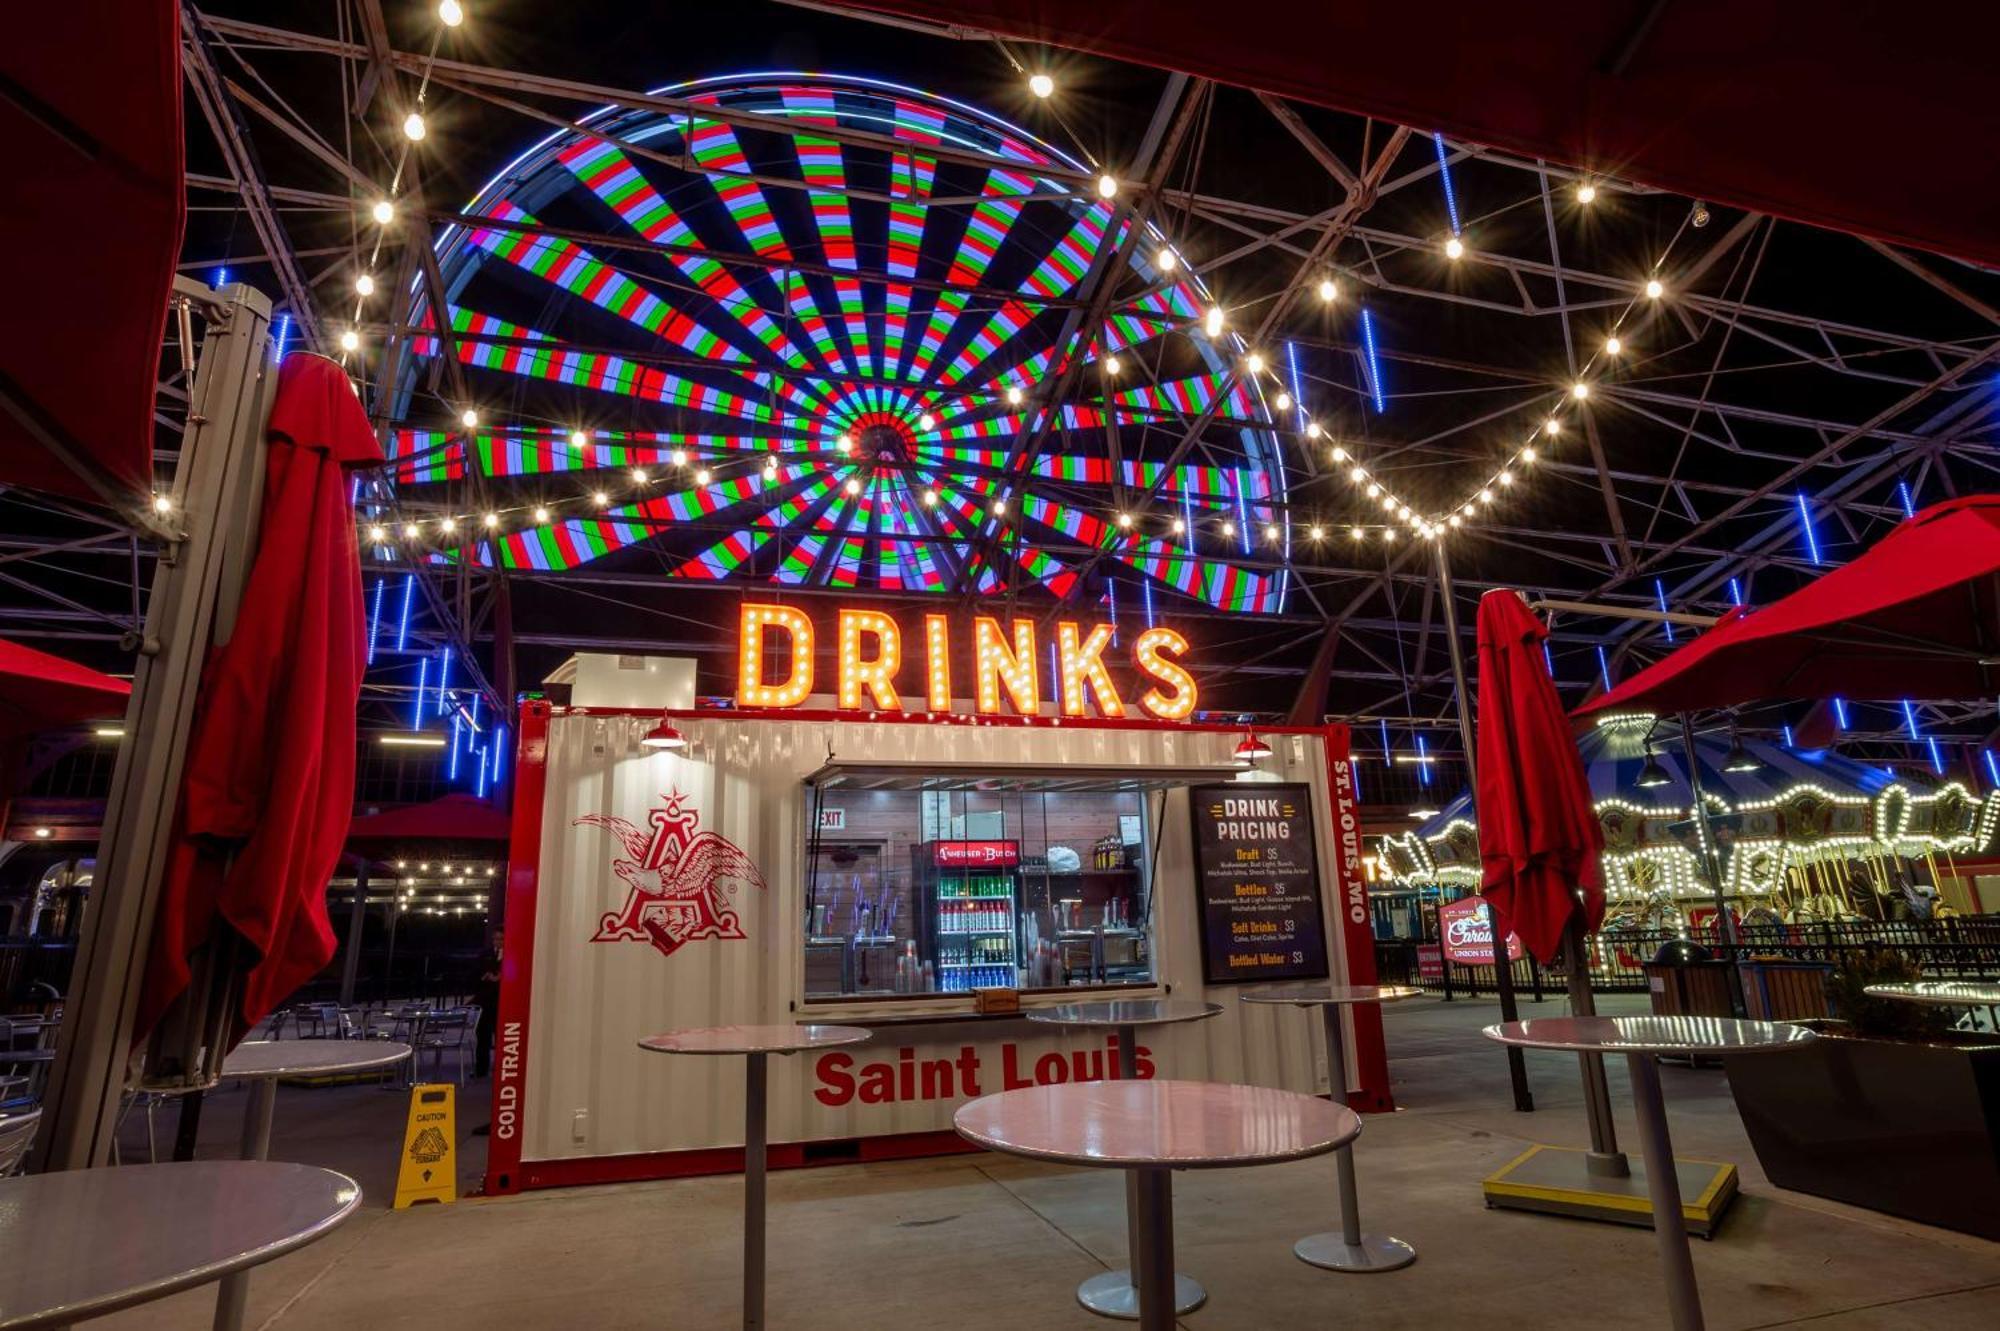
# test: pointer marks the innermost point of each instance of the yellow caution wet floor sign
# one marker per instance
(429, 1168)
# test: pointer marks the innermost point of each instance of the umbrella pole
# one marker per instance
(1605, 1159)
(1710, 867)
(1503, 972)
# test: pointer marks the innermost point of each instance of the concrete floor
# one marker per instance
(984, 1241)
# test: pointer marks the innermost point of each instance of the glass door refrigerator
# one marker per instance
(969, 912)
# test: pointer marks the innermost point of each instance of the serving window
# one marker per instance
(920, 882)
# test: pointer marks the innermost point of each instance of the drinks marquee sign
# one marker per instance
(1006, 665)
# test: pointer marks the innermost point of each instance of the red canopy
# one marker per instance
(270, 775)
(92, 230)
(1854, 117)
(1918, 616)
(43, 692)
(1539, 837)
(454, 817)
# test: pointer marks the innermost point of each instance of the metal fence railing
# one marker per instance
(1961, 948)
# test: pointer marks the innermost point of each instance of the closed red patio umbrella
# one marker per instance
(1539, 837)
(1917, 616)
(269, 786)
(43, 692)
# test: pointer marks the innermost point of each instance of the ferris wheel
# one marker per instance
(733, 348)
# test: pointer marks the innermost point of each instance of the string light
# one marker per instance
(1329, 291)
(1125, 521)
(1313, 431)
(600, 498)
(577, 439)
(1228, 527)
(1528, 454)
(413, 127)
(1107, 188)
(384, 212)
(1014, 395)
(1254, 363)
(639, 476)
(1166, 260)
(1586, 192)
(1613, 345)
(451, 13)
(350, 340)
(1177, 526)
(1454, 249)
(364, 285)
(1111, 366)
(853, 486)
(926, 422)
(1654, 290)
(702, 476)
(1552, 427)
(1211, 323)
(1580, 390)
(930, 498)
(541, 515)
(999, 508)
(412, 531)
(447, 526)
(1041, 85)
(1316, 532)
(469, 419)
(678, 457)
(377, 534)
(1283, 402)
(492, 520)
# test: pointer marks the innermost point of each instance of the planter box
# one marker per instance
(1912, 1129)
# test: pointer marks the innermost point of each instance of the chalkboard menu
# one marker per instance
(1257, 879)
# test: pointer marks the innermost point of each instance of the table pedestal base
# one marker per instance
(1373, 1253)
(1114, 1295)
(1558, 1180)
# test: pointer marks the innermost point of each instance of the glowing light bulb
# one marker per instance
(1228, 527)
(1166, 260)
(1111, 366)
(1042, 85)
(1328, 291)
(1374, 491)
(350, 341)
(1454, 248)
(413, 127)
(930, 499)
(378, 534)
(853, 486)
(1485, 496)
(1313, 430)
(412, 531)
(364, 285)
(1254, 363)
(1358, 534)
(491, 520)
(1359, 475)
(679, 457)
(1316, 533)
(451, 13)
(926, 422)
(1388, 535)
(639, 476)
(1339, 454)
(1454, 520)
(469, 418)
(1654, 290)
(1178, 526)
(1586, 193)
(577, 439)
(1283, 402)
(1211, 323)
(999, 507)
(1505, 478)
(384, 212)
(541, 516)
(1528, 454)
(447, 526)
(1403, 512)
(1014, 395)
(1271, 532)
(702, 476)
(1613, 345)
(1107, 188)
(600, 499)
(1552, 427)
(1580, 391)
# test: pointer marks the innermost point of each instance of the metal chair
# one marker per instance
(451, 1029)
(17, 1133)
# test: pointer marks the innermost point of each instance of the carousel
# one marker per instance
(1801, 835)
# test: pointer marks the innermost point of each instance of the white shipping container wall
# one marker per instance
(590, 1091)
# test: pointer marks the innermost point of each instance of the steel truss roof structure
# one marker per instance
(1787, 398)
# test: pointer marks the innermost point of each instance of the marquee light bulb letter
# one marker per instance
(751, 690)
(1084, 665)
(994, 665)
(1150, 653)
(875, 676)
(937, 656)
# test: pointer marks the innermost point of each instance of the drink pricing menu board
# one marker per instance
(1257, 879)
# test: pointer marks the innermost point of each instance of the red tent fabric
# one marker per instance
(92, 230)
(1539, 838)
(42, 692)
(270, 776)
(450, 818)
(1917, 616)
(1856, 117)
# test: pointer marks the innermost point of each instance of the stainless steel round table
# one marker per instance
(1152, 1128)
(263, 1063)
(1943, 993)
(1350, 1249)
(758, 1043)
(1116, 1293)
(1640, 1039)
(85, 1242)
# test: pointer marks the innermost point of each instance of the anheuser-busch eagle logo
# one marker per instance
(678, 881)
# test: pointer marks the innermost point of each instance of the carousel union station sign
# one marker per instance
(776, 646)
